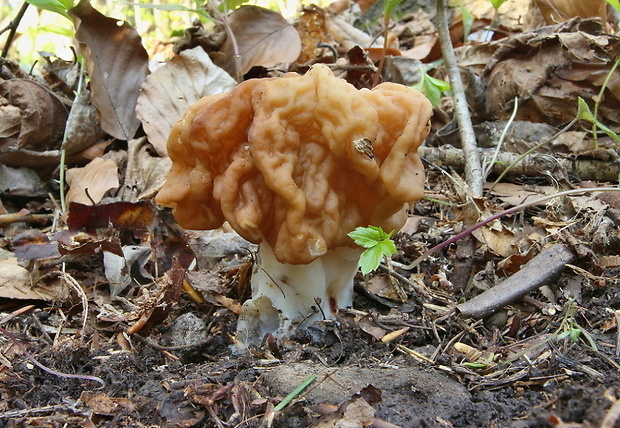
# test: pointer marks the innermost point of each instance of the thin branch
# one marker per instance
(538, 270)
(13, 28)
(473, 168)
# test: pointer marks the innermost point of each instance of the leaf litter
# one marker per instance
(115, 290)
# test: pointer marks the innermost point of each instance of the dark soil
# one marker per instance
(418, 379)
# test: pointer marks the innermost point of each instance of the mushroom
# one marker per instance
(293, 164)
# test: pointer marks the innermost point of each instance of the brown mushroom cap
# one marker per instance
(290, 161)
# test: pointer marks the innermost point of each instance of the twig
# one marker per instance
(28, 355)
(532, 202)
(16, 313)
(170, 348)
(538, 270)
(13, 28)
(531, 165)
(417, 288)
(26, 412)
(473, 168)
(24, 218)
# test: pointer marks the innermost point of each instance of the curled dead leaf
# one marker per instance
(90, 183)
(42, 116)
(263, 37)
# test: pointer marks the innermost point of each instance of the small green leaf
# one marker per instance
(497, 3)
(584, 113)
(431, 87)
(370, 259)
(615, 4)
(366, 236)
(388, 5)
(59, 6)
(388, 248)
(468, 22)
(168, 7)
(231, 5)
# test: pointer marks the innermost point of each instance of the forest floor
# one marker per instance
(111, 315)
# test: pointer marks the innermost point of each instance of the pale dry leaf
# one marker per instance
(90, 183)
(264, 38)
(145, 173)
(173, 87)
(16, 283)
(117, 65)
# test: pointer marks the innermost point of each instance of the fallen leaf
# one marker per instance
(89, 184)
(117, 64)
(128, 269)
(263, 38)
(554, 11)
(16, 283)
(42, 115)
(173, 87)
(145, 173)
(102, 404)
(136, 217)
(83, 128)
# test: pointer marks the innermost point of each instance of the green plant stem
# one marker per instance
(489, 167)
(599, 99)
(13, 28)
(302, 386)
(514, 209)
(536, 147)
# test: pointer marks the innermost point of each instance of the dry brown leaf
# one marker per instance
(145, 173)
(10, 119)
(42, 115)
(90, 183)
(117, 64)
(166, 93)
(264, 38)
(554, 11)
(548, 69)
(83, 127)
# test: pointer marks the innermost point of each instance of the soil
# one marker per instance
(183, 371)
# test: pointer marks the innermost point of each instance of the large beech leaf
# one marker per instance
(117, 64)
(173, 87)
(264, 38)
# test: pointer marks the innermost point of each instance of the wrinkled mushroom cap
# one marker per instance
(290, 161)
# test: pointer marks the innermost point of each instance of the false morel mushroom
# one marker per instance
(294, 164)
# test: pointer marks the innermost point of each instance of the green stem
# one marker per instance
(302, 386)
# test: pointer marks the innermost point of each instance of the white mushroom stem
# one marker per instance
(287, 296)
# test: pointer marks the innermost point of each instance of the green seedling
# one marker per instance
(496, 4)
(585, 113)
(431, 87)
(378, 244)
